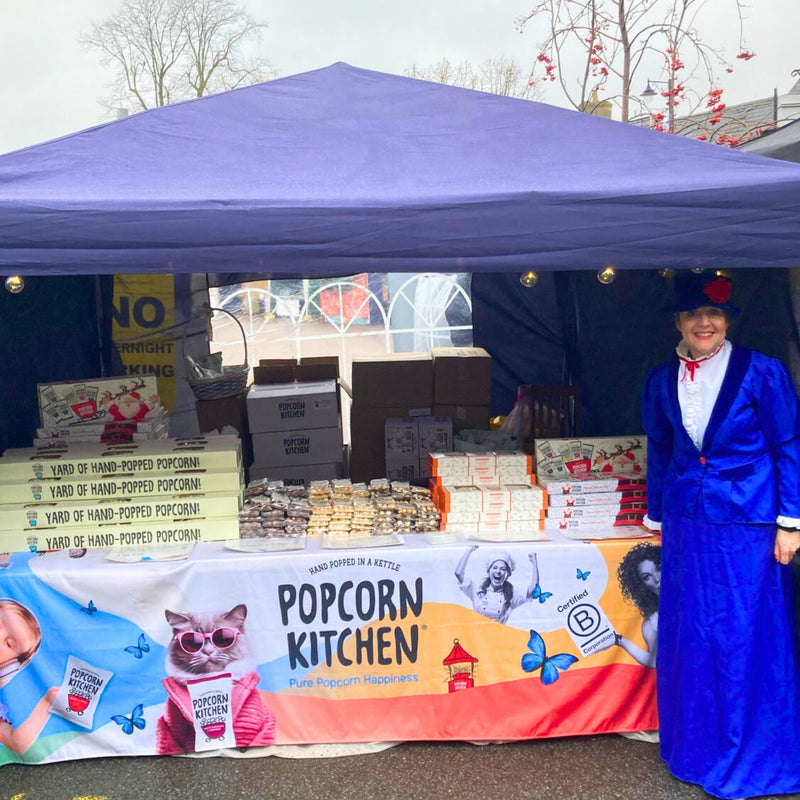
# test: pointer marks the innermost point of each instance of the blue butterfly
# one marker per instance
(582, 576)
(138, 650)
(538, 658)
(135, 720)
(539, 595)
(90, 609)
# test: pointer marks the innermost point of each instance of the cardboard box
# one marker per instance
(292, 407)
(402, 380)
(465, 417)
(461, 376)
(216, 454)
(297, 447)
(104, 487)
(287, 370)
(367, 458)
(196, 530)
(137, 510)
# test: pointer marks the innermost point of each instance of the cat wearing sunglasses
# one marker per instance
(205, 644)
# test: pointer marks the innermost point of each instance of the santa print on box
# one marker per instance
(204, 644)
(128, 405)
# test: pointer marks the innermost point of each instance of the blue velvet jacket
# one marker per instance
(748, 469)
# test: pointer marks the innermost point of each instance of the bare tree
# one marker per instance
(162, 51)
(496, 75)
(601, 45)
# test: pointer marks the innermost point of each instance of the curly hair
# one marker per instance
(633, 588)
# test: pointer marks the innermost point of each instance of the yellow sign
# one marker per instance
(142, 329)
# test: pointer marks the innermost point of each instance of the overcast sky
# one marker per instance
(50, 87)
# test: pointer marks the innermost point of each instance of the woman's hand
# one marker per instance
(787, 542)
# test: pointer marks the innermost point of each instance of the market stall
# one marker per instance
(334, 172)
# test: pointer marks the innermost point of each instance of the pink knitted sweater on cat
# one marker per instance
(253, 722)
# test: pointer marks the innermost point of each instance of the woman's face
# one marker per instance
(704, 329)
(498, 573)
(650, 575)
(16, 637)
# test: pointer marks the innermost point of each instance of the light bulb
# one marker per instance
(528, 279)
(15, 283)
(698, 270)
(666, 273)
(607, 275)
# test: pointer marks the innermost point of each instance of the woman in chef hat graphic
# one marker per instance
(496, 597)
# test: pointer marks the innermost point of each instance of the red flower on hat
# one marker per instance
(718, 291)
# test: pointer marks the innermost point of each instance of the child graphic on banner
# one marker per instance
(496, 597)
(20, 637)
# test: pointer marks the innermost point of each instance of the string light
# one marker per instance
(666, 273)
(15, 284)
(528, 279)
(607, 275)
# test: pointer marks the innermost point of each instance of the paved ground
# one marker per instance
(589, 768)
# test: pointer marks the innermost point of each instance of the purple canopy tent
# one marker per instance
(343, 170)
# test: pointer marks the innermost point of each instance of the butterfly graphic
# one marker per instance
(90, 609)
(538, 658)
(539, 595)
(135, 720)
(582, 576)
(139, 649)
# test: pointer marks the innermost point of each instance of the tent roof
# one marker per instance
(783, 143)
(344, 170)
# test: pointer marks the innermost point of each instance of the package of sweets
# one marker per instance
(80, 692)
(211, 708)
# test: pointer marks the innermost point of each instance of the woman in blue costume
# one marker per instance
(723, 430)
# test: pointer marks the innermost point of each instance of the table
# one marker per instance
(345, 646)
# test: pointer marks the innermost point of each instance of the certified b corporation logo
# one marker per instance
(583, 620)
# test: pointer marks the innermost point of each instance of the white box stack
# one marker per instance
(296, 428)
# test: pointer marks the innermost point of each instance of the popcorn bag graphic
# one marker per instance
(80, 692)
(211, 708)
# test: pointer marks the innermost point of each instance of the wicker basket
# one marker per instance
(233, 380)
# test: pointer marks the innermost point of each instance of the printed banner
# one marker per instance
(453, 642)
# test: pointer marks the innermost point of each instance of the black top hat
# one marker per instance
(695, 290)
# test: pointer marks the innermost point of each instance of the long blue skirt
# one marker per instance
(727, 670)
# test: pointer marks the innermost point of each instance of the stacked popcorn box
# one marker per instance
(272, 510)
(486, 493)
(164, 491)
(583, 502)
(340, 509)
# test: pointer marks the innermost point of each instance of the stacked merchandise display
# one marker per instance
(593, 501)
(409, 441)
(341, 509)
(95, 495)
(593, 483)
(489, 494)
(296, 430)
(273, 510)
(384, 388)
(462, 386)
